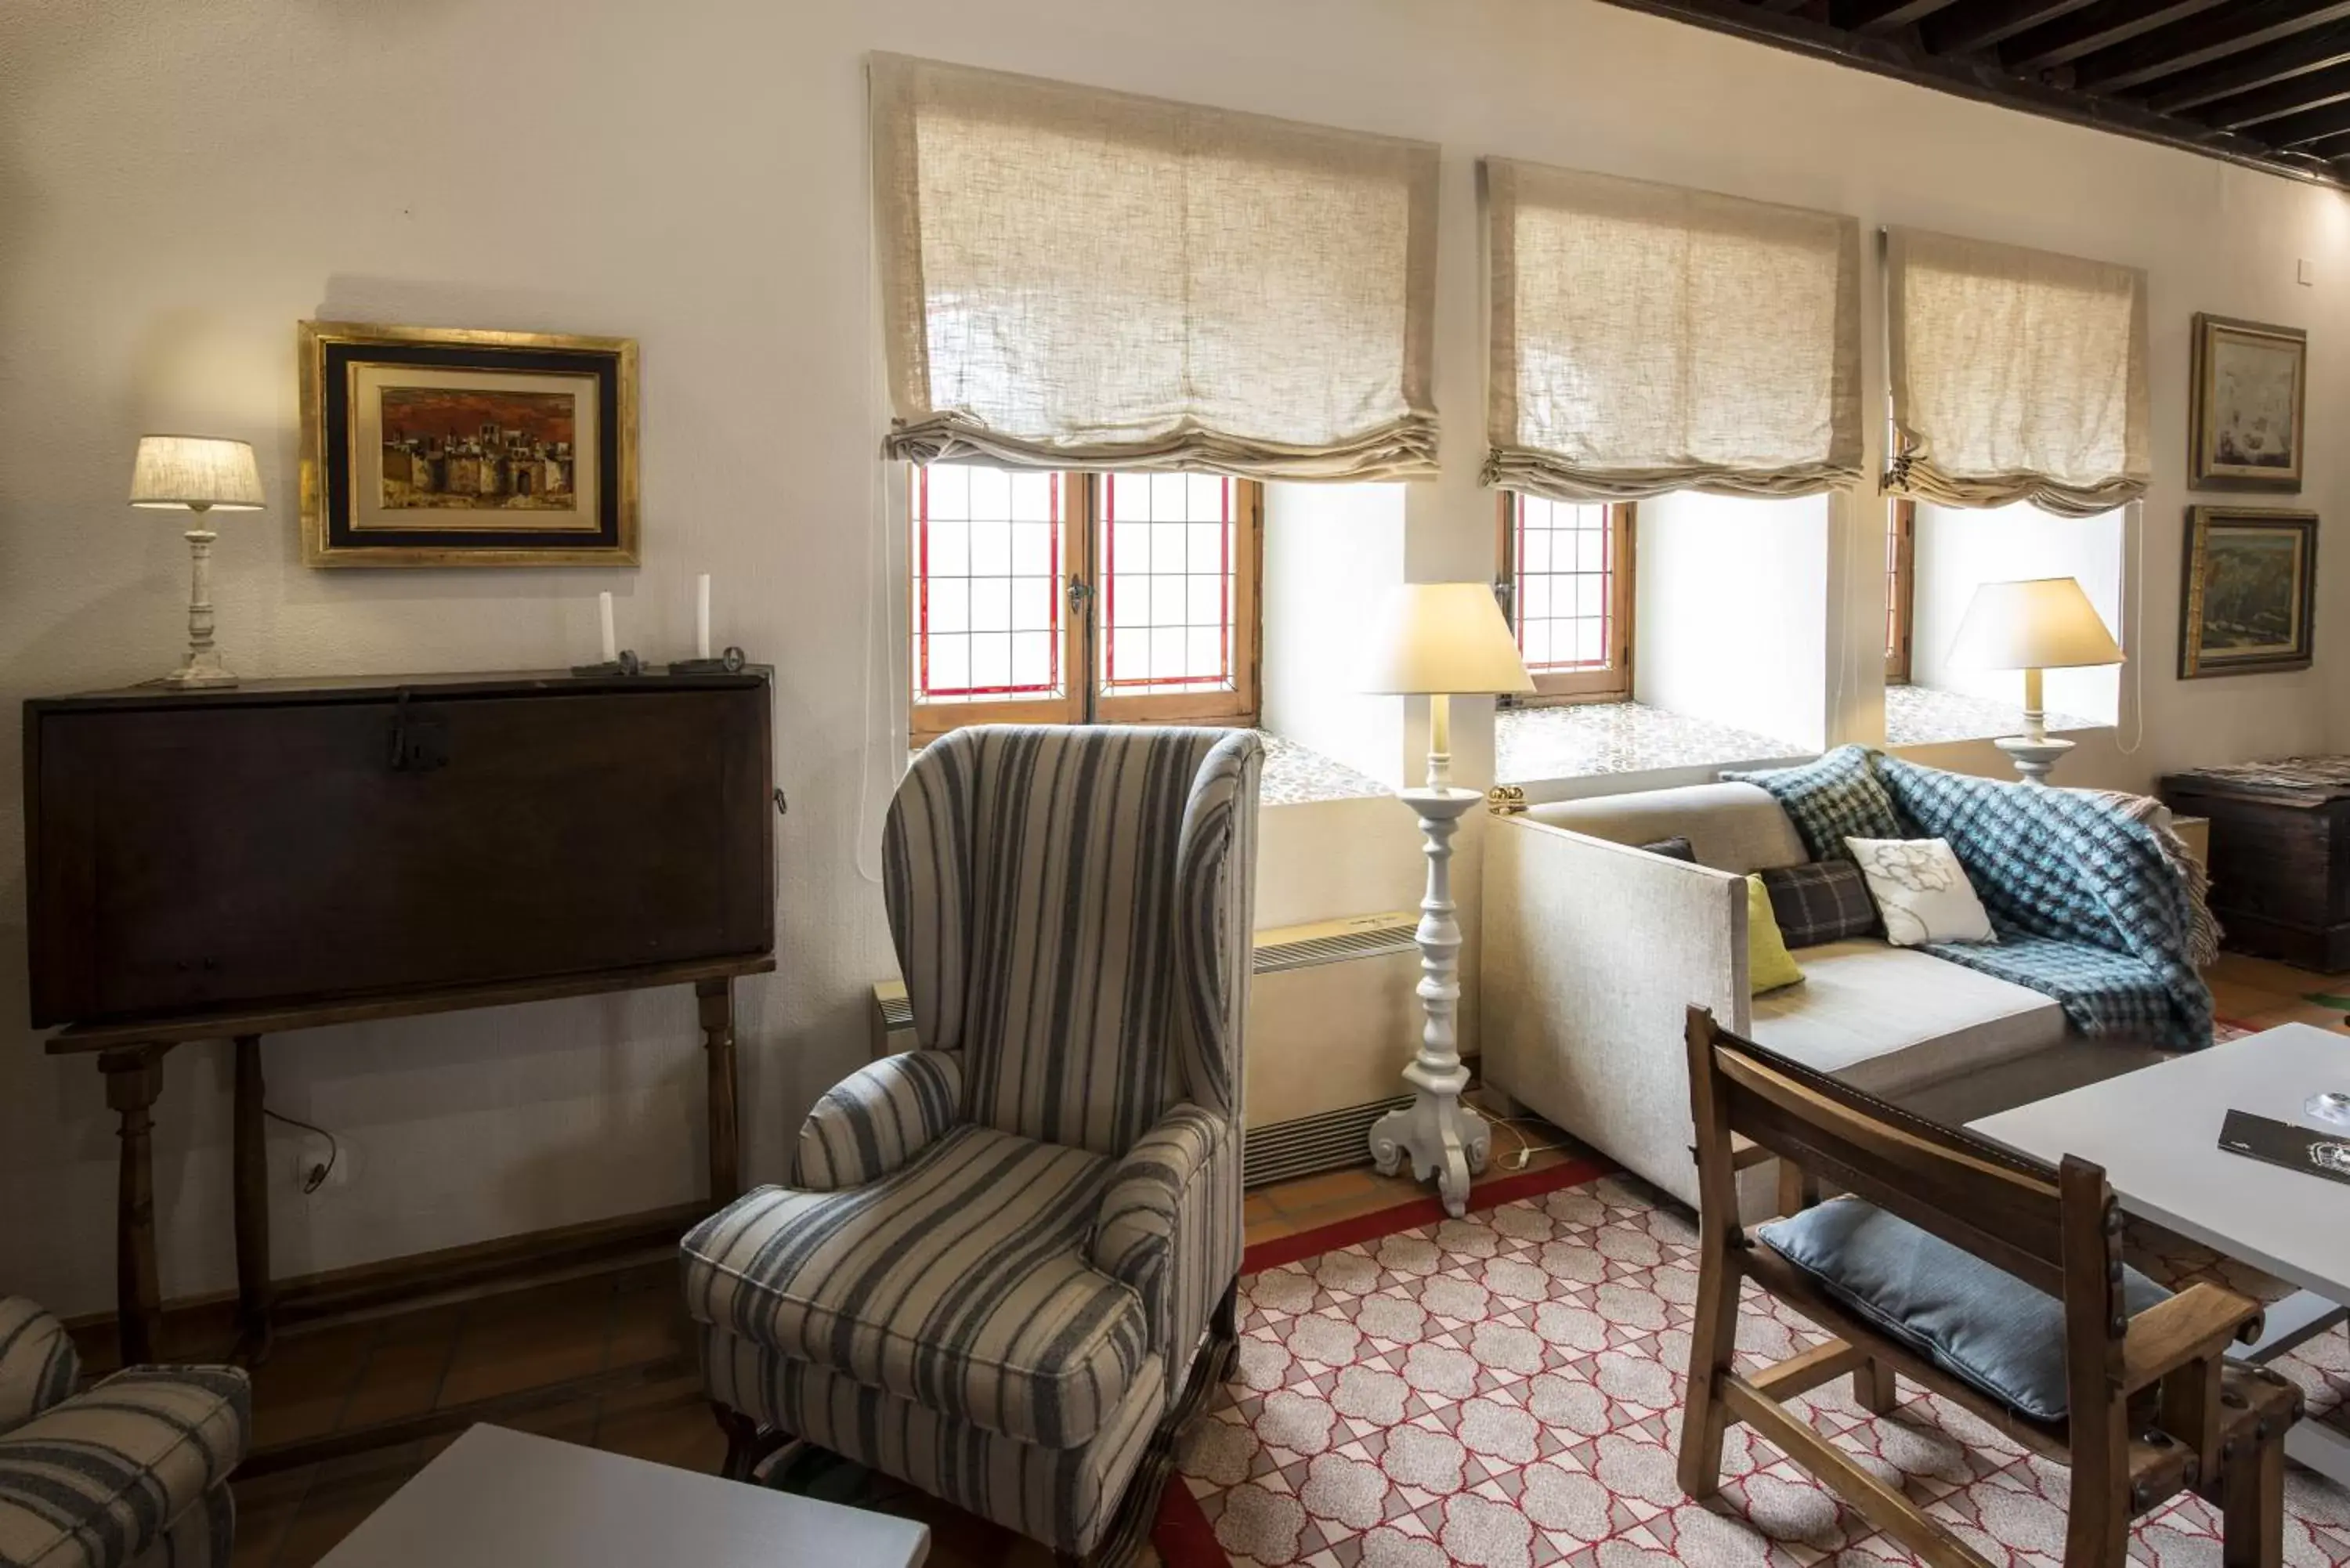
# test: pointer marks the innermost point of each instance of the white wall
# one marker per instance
(1732, 620)
(1958, 550)
(1331, 552)
(181, 182)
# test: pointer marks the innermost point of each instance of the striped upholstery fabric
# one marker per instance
(1006, 1247)
(877, 1118)
(1062, 1496)
(960, 1282)
(202, 1537)
(38, 1364)
(1170, 1229)
(1061, 896)
(103, 1479)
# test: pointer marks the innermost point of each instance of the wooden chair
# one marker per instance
(2153, 1405)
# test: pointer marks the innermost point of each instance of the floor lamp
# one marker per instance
(1437, 639)
(2044, 623)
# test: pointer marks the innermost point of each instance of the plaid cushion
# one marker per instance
(1826, 901)
(1831, 799)
(1673, 848)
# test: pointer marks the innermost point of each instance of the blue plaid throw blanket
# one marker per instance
(2087, 908)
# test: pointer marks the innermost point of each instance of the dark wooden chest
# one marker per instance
(2279, 858)
(296, 842)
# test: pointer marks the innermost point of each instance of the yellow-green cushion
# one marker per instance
(1768, 965)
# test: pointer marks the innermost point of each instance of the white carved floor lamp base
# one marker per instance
(1439, 1134)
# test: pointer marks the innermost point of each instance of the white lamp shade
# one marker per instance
(1443, 636)
(195, 471)
(2047, 623)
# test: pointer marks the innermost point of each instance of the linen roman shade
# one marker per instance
(1075, 278)
(2017, 375)
(1648, 338)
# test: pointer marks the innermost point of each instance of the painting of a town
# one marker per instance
(444, 447)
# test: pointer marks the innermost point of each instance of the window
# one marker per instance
(1900, 564)
(1566, 575)
(1042, 597)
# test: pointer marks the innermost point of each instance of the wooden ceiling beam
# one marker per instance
(1883, 16)
(2307, 90)
(1981, 24)
(2095, 27)
(2184, 47)
(2250, 69)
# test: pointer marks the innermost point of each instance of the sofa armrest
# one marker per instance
(877, 1118)
(38, 1364)
(1169, 1229)
(1592, 954)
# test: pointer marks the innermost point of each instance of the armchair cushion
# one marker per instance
(37, 1361)
(958, 1281)
(1974, 1321)
(879, 1118)
(99, 1480)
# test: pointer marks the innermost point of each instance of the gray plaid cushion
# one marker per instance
(1824, 901)
(1835, 797)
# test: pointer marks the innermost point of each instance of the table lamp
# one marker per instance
(200, 475)
(2045, 623)
(1436, 640)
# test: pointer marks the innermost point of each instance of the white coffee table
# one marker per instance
(2157, 1133)
(500, 1499)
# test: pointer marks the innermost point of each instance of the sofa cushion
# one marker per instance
(1673, 848)
(1768, 965)
(1833, 798)
(958, 1281)
(1888, 1019)
(1734, 826)
(1976, 1322)
(1824, 901)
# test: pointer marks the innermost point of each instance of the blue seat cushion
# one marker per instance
(1977, 1323)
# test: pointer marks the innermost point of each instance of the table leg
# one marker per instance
(134, 1076)
(2300, 1317)
(254, 1295)
(716, 1001)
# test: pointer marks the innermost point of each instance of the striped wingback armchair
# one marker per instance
(1004, 1271)
(132, 1472)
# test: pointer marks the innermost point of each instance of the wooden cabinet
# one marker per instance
(290, 842)
(2279, 857)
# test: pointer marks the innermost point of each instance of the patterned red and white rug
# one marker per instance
(1504, 1391)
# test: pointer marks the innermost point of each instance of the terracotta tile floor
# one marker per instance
(345, 1376)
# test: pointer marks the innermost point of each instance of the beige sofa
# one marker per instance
(1593, 949)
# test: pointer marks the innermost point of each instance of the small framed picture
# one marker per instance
(438, 447)
(2252, 383)
(2249, 591)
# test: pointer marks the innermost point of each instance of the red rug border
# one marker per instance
(1181, 1533)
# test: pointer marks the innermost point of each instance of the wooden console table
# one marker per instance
(131, 1058)
(282, 856)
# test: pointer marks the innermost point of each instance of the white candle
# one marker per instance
(701, 617)
(611, 640)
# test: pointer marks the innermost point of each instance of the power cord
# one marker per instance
(1521, 1156)
(316, 1177)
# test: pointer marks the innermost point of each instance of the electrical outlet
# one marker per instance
(340, 1159)
(2306, 273)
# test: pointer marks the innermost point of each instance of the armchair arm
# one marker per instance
(105, 1475)
(2199, 1323)
(877, 1118)
(1170, 1227)
(38, 1364)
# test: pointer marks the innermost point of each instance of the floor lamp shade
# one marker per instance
(1432, 637)
(200, 472)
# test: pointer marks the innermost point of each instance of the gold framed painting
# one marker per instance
(446, 447)
(2250, 592)
(2250, 387)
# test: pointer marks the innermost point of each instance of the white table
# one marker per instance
(499, 1498)
(2157, 1133)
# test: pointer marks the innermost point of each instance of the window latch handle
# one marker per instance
(1081, 594)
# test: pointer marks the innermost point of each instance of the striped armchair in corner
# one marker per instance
(132, 1471)
(1003, 1272)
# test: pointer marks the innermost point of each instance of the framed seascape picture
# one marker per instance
(435, 447)
(2251, 385)
(2249, 593)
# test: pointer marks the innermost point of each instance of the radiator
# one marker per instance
(1332, 1021)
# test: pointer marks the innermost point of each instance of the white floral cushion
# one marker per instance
(1921, 891)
